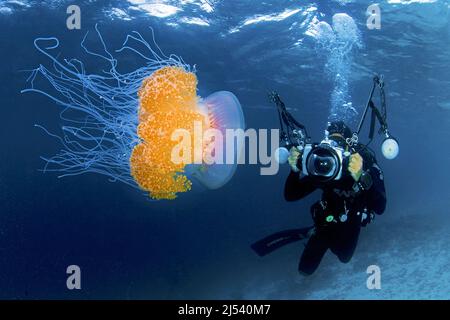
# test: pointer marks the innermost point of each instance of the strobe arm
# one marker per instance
(376, 114)
(291, 130)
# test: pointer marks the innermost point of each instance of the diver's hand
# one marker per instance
(294, 155)
(355, 166)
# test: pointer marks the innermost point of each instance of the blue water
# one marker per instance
(198, 245)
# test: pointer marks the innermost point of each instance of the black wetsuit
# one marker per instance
(337, 235)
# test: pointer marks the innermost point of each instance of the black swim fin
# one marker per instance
(279, 239)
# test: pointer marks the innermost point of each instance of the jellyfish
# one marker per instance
(121, 124)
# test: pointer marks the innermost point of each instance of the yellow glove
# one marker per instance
(355, 166)
(294, 154)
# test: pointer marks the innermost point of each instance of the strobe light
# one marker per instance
(281, 155)
(390, 147)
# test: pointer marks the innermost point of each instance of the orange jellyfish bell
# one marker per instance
(168, 104)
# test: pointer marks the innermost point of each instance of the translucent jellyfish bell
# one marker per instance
(223, 111)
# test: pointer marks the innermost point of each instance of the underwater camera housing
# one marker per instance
(323, 161)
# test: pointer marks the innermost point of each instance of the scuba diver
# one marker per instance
(347, 203)
(348, 174)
